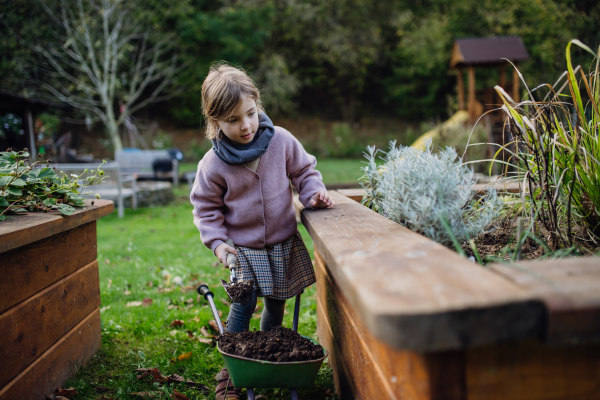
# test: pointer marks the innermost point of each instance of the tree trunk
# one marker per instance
(113, 132)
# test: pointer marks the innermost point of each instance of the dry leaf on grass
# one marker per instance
(172, 306)
(206, 333)
(102, 389)
(228, 304)
(189, 301)
(205, 341)
(190, 334)
(177, 322)
(182, 357)
(69, 393)
(147, 302)
(195, 319)
(179, 396)
(126, 292)
(213, 325)
(104, 309)
(196, 385)
(109, 284)
(134, 304)
(175, 378)
(153, 372)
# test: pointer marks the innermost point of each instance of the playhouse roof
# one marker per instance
(487, 51)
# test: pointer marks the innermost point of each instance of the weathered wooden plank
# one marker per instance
(570, 288)
(373, 369)
(412, 293)
(55, 366)
(23, 229)
(27, 270)
(530, 370)
(30, 328)
(354, 194)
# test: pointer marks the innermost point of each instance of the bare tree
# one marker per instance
(103, 59)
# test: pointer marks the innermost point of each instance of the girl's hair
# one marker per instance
(221, 93)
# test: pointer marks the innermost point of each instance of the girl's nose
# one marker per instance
(246, 124)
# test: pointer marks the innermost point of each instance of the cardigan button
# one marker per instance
(260, 202)
(257, 177)
(262, 223)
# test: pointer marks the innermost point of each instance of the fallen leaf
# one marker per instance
(220, 313)
(147, 395)
(172, 307)
(195, 319)
(69, 393)
(213, 325)
(177, 322)
(149, 284)
(190, 334)
(173, 332)
(109, 284)
(179, 396)
(102, 389)
(197, 385)
(126, 292)
(285, 312)
(256, 316)
(228, 304)
(116, 340)
(157, 376)
(175, 378)
(147, 302)
(104, 309)
(107, 261)
(182, 357)
(189, 301)
(189, 306)
(134, 304)
(205, 341)
(206, 333)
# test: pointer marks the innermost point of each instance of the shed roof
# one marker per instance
(488, 51)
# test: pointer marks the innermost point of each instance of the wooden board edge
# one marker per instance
(13, 235)
(36, 381)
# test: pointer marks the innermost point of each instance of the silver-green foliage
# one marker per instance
(423, 190)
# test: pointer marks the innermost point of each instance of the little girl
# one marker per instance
(242, 192)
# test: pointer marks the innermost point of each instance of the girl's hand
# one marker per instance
(221, 253)
(322, 200)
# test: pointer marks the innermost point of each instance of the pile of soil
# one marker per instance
(240, 292)
(278, 345)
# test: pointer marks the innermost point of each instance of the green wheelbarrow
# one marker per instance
(249, 373)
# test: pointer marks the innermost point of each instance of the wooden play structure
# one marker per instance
(405, 318)
(471, 54)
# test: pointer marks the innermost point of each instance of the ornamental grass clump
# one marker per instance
(427, 192)
(26, 186)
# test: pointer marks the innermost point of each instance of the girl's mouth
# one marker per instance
(247, 135)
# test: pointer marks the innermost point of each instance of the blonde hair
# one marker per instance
(221, 93)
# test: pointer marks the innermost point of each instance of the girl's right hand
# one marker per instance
(221, 253)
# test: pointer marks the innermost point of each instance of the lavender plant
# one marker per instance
(427, 191)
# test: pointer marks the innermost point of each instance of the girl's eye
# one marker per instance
(252, 113)
(231, 121)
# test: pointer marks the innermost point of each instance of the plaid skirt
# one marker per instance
(280, 271)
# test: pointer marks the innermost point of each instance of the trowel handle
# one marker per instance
(231, 258)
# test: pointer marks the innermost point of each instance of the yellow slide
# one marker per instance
(459, 118)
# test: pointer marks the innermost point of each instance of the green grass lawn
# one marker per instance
(334, 170)
(141, 256)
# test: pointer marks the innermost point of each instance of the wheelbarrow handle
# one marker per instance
(208, 295)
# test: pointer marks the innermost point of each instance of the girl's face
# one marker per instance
(243, 124)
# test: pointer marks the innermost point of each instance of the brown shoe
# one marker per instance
(225, 389)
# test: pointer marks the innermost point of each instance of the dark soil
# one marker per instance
(278, 345)
(240, 292)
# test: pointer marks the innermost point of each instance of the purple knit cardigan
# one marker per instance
(254, 209)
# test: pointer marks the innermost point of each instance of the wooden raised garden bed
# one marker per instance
(404, 317)
(49, 299)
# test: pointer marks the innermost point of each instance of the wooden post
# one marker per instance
(516, 83)
(471, 100)
(460, 89)
(31, 148)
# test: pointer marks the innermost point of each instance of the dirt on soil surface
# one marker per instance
(240, 292)
(278, 345)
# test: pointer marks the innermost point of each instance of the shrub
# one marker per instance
(427, 192)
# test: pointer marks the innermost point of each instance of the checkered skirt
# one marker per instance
(280, 271)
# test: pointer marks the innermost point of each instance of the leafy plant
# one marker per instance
(427, 192)
(30, 187)
(557, 152)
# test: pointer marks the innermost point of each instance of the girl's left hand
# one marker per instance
(322, 200)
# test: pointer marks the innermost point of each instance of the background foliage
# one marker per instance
(340, 59)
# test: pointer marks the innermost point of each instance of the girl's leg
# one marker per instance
(272, 315)
(239, 316)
